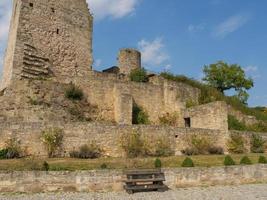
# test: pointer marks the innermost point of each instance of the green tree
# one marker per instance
(224, 76)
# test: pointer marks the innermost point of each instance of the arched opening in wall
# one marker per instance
(187, 122)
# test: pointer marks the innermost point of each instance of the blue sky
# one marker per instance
(179, 35)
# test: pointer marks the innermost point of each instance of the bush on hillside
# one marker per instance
(257, 143)
(245, 161)
(228, 161)
(188, 162)
(236, 143)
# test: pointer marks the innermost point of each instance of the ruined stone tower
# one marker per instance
(48, 38)
(128, 60)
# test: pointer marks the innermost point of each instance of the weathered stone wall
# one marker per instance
(246, 119)
(209, 116)
(53, 38)
(107, 181)
(128, 60)
(108, 137)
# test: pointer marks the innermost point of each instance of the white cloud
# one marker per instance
(230, 25)
(97, 63)
(252, 71)
(196, 28)
(112, 8)
(153, 52)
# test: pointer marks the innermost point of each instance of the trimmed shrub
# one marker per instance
(74, 93)
(139, 75)
(245, 161)
(90, 151)
(139, 115)
(157, 163)
(45, 166)
(188, 162)
(262, 160)
(52, 138)
(228, 161)
(104, 166)
(214, 150)
(3, 153)
(257, 143)
(236, 144)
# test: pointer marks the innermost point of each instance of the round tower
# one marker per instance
(128, 60)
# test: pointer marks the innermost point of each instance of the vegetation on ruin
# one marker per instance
(90, 151)
(52, 139)
(211, 94)
(169, 119)
(201, 145)
(139, 115)
(135, 145)
(262, 160)
(71, 164)
(139, 75)
(236, 144)
(257, 143)
(11, 150)
(74, 93)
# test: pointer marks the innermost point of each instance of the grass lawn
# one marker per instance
(70, 164)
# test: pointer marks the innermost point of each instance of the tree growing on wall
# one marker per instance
(224, 76)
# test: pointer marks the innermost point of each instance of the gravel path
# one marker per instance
(245, 192)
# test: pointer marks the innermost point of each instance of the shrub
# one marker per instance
(104, 166)
(90, 151)
(74, 93)
(262, 160)
(52, 138)
(190, 103)
(3, 153)
(12, 149)
(139, 116)
(139, 75)
(228, 161)
(163, 147)
(188, 162)
(214, 150)
(257, 143)
(169, 119)
(234, 124)
(157, 163)
(77, 112)
(201, 143)
(190, 151)
(236, 143)
(45, 166)
(245, 161)
(133, 145)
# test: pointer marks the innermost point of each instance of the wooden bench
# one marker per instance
(144, 180)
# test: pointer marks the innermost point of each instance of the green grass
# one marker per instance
(71, 164)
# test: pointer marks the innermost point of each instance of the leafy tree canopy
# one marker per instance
(224, 76)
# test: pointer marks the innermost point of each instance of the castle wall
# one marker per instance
(53, 38)
(209, 116)
(108, 137)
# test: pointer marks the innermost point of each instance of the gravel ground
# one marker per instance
(245, 192)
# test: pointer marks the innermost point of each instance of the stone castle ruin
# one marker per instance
(49, 48)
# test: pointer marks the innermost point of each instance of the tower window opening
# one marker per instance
(187, 122)
(31, 4)
(53, 10)
(57, 31)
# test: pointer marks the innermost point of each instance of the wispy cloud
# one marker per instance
(230, 25)
(252, 71)
(112, 8)
(153, 52)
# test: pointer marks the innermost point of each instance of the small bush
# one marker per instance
(104, 166)
(45, 166)
(3, 153)
(188, 162)
(52, 138)
(90, 151)
(169, 119)
(262, 160)
(228, 161)
(139, 115)
(236, 144)
(257, 143)
(190, 151)
(245, 161)
(74, 93)
(12, 149)
(157, 163)
(163, 148)
(139, 75)
(133, 145)
(214, 150)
